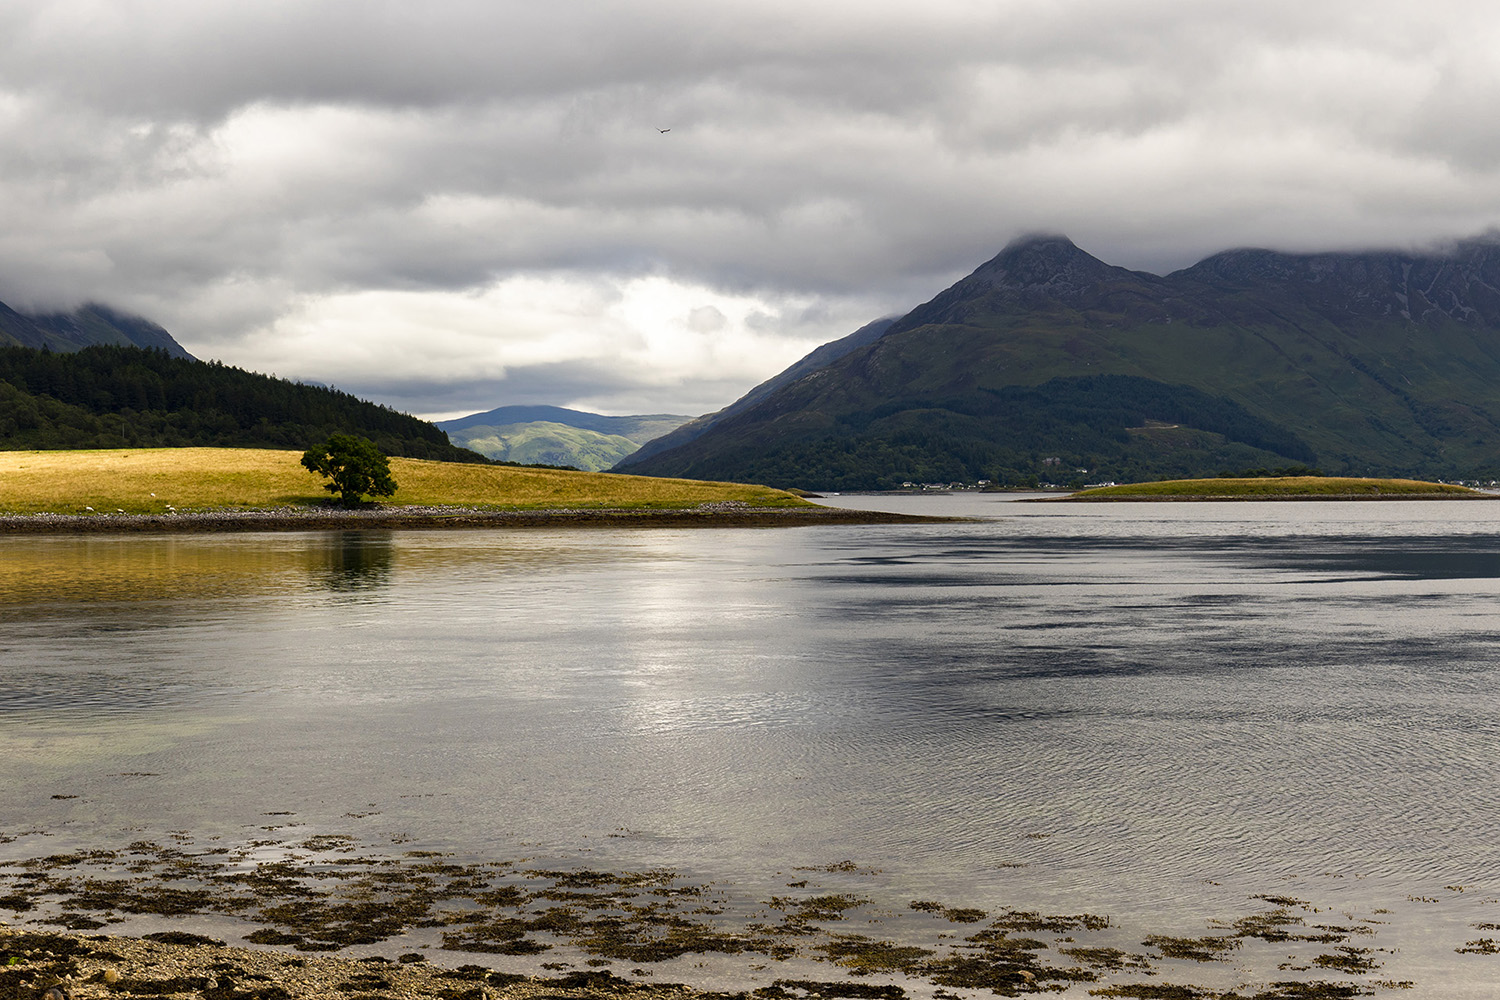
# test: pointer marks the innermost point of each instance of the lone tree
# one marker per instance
(354, 465)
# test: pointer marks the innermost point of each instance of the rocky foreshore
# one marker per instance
(708, 515)
(432, 925)
(90, 966)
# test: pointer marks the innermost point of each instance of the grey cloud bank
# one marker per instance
(452, 206)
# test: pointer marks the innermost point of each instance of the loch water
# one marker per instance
(1151, 711)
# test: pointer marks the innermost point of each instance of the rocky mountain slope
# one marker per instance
(1049, 363)
(819, 358)
(89, 325)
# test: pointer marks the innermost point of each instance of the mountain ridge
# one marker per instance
(85, 326)
(556, 435)
(525, 414)
(1381, 361)
(818, 358)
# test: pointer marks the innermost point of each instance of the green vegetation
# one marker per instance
(91, 324)
(555, 435)
(127, 397)
(1271, 488)
(1062, 431)
(545, 443)
(1047, 365)
(354, 466)
(163, 480)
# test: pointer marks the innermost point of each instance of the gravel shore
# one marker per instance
(709, 515)
(97, 966)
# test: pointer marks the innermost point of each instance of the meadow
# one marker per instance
(163, 480)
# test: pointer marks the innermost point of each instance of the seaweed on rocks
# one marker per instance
(1209, 948)
(325, 893)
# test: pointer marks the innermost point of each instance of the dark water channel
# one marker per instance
(1153, 712)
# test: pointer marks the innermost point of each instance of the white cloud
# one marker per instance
(654, 334)
(457, 198)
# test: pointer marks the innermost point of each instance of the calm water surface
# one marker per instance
(1149, 710)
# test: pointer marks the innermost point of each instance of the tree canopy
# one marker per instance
(354, 466)
(127, 397)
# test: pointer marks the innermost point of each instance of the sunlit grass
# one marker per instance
(1283, 486)
(159, 480)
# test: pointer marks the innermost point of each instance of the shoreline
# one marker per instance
(711, 515)
(1251, 497)
(428, 924)
(92, 966)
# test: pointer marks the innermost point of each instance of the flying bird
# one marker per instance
(663, 131)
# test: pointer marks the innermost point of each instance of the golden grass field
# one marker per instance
(158, 480)
(1285, 486)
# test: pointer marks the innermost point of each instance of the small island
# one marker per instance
(1280, 488)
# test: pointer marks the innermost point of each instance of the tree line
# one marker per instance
(109, 396)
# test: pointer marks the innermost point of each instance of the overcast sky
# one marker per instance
(451, 205)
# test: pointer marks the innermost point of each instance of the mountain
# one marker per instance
(819, 358)
(91, 324)
(1048, 363)
(107, 396)
(554, 435)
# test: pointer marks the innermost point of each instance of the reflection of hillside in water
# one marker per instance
(118, 626)
(65, 570)
(177, 571)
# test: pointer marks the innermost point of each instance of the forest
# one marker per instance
(130, 397)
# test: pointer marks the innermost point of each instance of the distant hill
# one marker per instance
(555, 435)
(1047, 363)
(89, 325)
(106, 396)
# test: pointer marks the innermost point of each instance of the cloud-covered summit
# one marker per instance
(456, 205)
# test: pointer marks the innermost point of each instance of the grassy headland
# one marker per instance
(1278, 488)
(164, 480)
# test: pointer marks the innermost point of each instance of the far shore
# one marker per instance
(1288, 487)
(1261, 498)
(385, 517)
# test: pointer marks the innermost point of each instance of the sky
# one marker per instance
(452, 205)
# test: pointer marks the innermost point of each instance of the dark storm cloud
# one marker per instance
(235, 170)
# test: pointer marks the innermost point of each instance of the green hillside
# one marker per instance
(817, 359)
(1048, 363)
(555, 435)
(128, 397)
(544, 443)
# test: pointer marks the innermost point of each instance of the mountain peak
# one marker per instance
(1042, 262)
(1375, 363)
(1042, 240)
(1038, 271)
